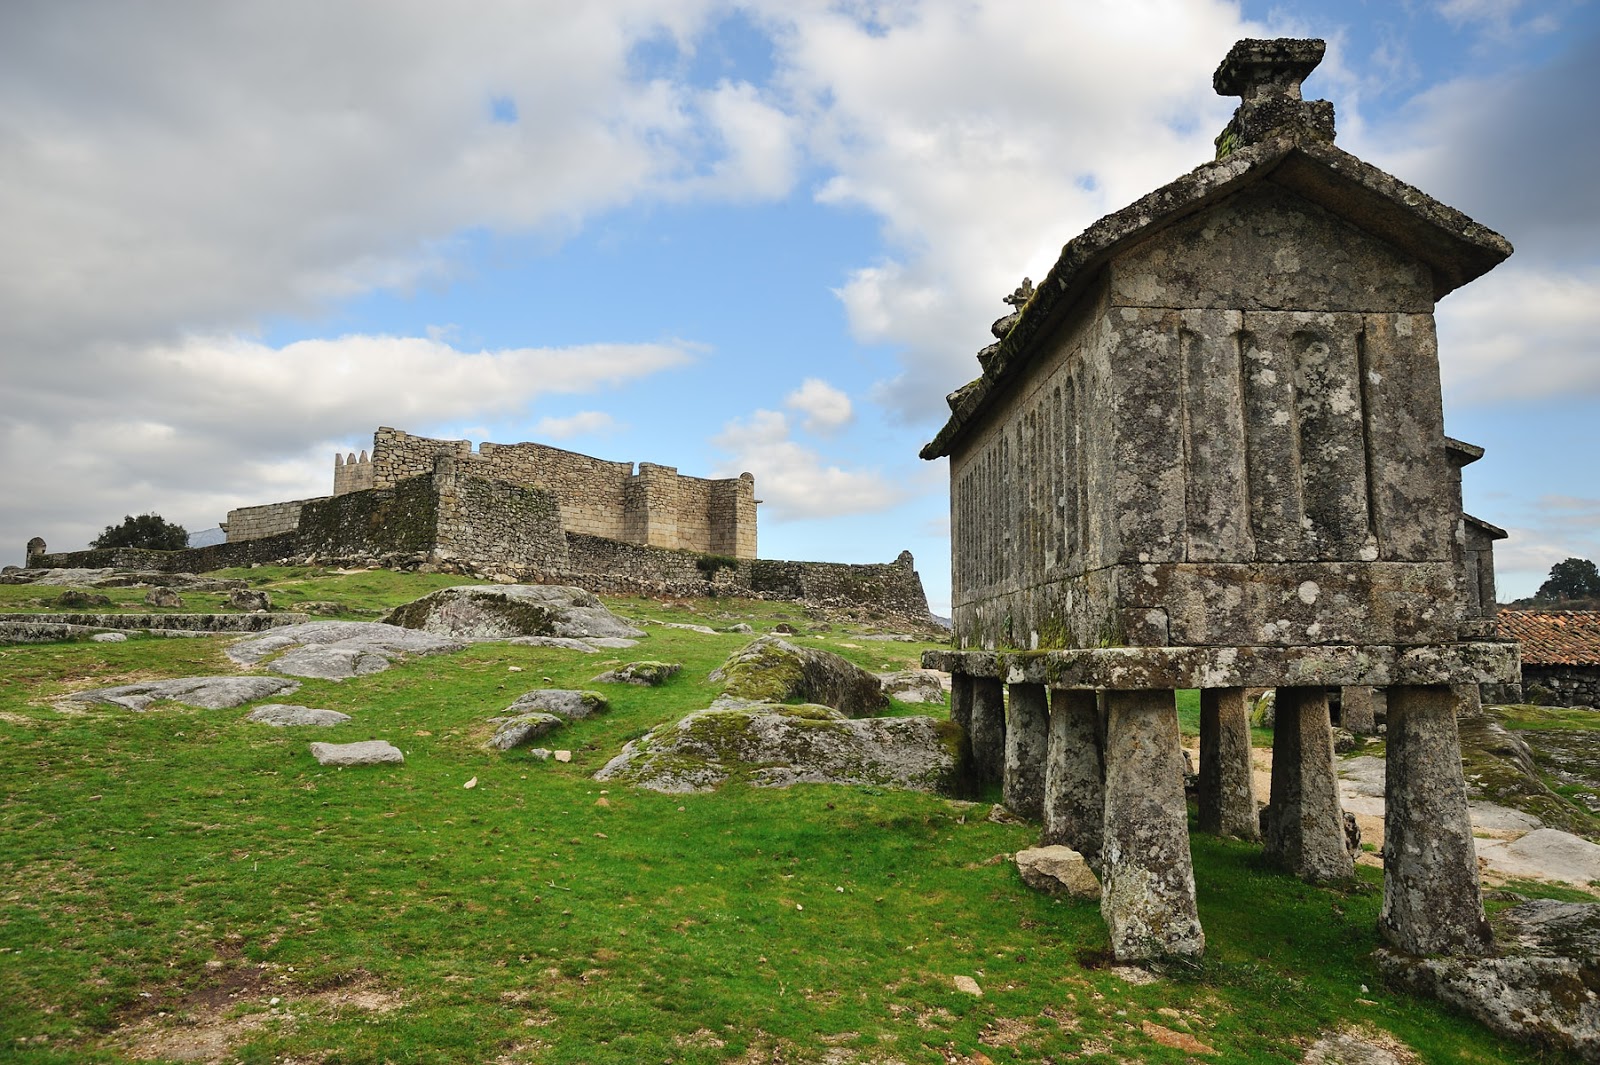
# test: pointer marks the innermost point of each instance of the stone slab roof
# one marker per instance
(1455, 248)
(1553, 637)
(1494, 531)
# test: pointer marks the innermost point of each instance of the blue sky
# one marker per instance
(720, 236)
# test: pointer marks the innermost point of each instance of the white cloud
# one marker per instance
(1521, 334)
(1504, 149)
(984, 137)
(794, 481)
(826, 409)
(224, 422)
(760, 155)
(580, 424)
(196, 172)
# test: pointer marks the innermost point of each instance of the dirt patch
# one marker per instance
(207, 1022)
(1006, 1032)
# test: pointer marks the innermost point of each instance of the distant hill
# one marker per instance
(207, 537)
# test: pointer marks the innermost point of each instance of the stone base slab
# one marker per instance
(1140, 668)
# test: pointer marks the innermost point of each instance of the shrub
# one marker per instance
(150, 531)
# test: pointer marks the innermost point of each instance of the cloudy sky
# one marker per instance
(764, 236)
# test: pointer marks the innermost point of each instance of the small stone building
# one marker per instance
(1560, 655)
(1208, 452)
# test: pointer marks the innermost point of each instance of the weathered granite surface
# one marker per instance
(365, 752)
(503, 611)
(1057, 870)
(564, 703)
(776, 746)
(519, 730)
(772, 669)
(208, 693)
(282, 715)
(1543, 991)
(337, 649)
(641, 674)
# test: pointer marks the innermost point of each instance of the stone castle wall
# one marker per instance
(455, 521)
(655, 506)
(351, 474)
(271, 519)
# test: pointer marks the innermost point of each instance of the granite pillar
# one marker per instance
(1304, 830)
(987, 730)
(1074, 782)
(1227, 793)
(1147, 895)
(1432, 902)
(1356, 709)
(1027, 746)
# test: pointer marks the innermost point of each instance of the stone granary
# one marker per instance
(1208, 452)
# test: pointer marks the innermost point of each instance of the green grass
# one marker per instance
(149, 860)
(1545, 717)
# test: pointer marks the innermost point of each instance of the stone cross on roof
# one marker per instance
(1266, 75)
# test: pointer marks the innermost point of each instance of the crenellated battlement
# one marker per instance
(352, 474)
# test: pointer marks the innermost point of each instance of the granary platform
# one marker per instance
(1166, 668)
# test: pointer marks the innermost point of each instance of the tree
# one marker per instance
(1575, 578)
(150, 531)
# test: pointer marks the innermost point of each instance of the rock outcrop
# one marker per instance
(334, 650)
(521, 729)
(497, 612)
(207, 693)
(564, 703)
(775, 746)
(913, 685)
(1543, 994)
(366, 752)
(282, 715)
(773, 670)
(643, 674)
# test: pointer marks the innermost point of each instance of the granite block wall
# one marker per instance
(252, 523)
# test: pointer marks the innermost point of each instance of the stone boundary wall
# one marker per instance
(1568, 685)
(270, 519)
(896, 586)
(188, 560)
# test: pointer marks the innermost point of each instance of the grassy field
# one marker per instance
(183, 883)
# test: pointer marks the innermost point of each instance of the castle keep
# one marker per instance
(1208, 452)
(653, 507)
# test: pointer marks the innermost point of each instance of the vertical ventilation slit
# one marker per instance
(1186, 340)
(1241, 344)
(1364, 392)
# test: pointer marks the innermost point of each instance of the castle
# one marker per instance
(654, 507)
(527, 512)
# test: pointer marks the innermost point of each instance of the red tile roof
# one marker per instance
(1553, 637)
